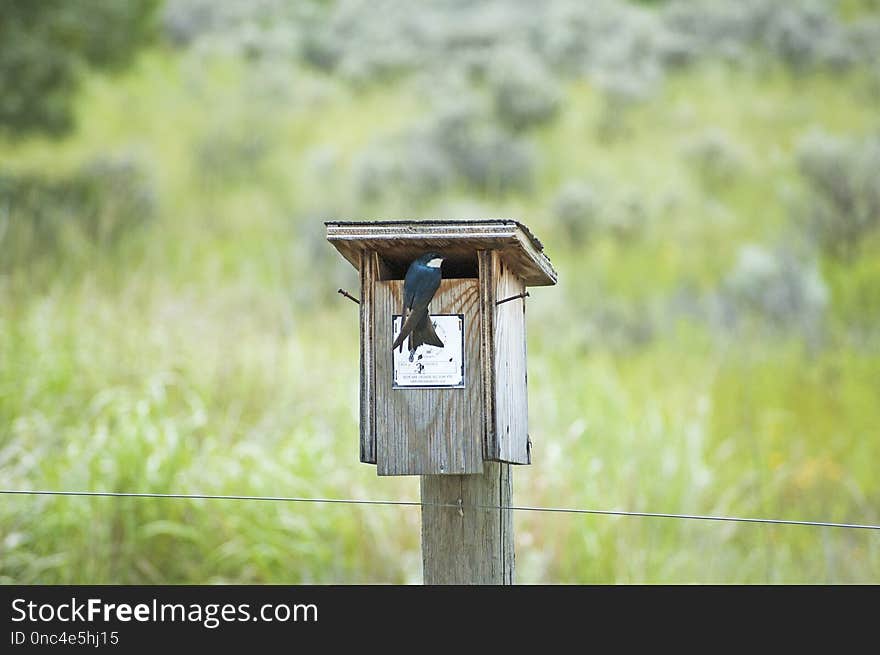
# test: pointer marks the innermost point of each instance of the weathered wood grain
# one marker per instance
(368, 273)
(399, 242)
(503, 351)
(428, 431)
(511, 396)
(476, 545)
(487, 354)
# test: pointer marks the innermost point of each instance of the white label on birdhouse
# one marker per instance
(431, 366)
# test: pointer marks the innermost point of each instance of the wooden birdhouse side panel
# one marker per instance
(504, 362)
(511, 394)
(428, 431)
(368, 272)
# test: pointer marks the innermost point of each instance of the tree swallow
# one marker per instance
(421, 283)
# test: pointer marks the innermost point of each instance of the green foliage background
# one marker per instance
(46, 45)
(169, 321)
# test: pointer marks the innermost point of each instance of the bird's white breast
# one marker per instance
(435, 263)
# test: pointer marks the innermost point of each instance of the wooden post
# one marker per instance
(474, 545)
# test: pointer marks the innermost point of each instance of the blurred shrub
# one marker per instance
(588, 211)
(459, 144)
(616, 324)
(563, 36)
(491, 161)
(522, 50)
(801, 35)
(249, 28)
(305, 256)
(623, 88)
(363, 42)
(184, 20)
(374, 171)
(524, 92)
(844, 194)
(576, 206)
(227, 155)
(777, 287)
(717, 158)
(796, 34)
(321, 51)
(46, 44)
(428, 171)
(624, 47)
(411, 166)
(99, 203)
(864, 37)
(118, 192)
(627, 221)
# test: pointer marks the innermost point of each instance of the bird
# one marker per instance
(419, 286)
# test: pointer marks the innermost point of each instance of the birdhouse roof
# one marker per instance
(399, 242)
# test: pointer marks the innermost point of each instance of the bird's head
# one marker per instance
(431, 260)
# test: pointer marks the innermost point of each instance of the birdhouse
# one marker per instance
(444, 409)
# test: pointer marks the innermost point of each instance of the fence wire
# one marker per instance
(456, 506)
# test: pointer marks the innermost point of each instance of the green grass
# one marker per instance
(208, 352)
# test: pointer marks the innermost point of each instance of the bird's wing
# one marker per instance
(409, 297)
(409, 322)
(409, 286)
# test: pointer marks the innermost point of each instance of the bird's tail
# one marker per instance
(420, 330)
(424, 333)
